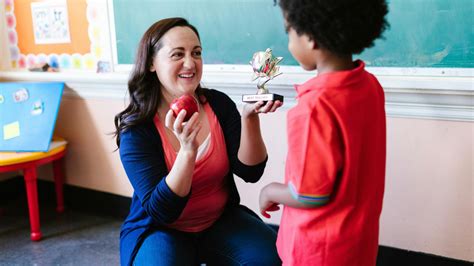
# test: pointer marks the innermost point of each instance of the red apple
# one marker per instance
(186, 102)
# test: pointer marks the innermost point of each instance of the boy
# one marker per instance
(335, 170)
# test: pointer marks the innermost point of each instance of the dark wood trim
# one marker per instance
(11, 189)
(76, 198)
(389, 256)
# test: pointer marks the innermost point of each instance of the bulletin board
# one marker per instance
(28, 113)
(77, 27)
(33, 38)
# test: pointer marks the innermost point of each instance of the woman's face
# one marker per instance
(178, 63)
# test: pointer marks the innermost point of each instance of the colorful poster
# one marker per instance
(50, 22)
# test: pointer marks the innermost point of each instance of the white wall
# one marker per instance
(428, 204)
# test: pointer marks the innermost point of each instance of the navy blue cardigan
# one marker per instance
(153, 204)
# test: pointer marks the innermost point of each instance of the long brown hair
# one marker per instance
(143, 85)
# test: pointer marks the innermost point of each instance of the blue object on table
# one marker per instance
(28, 112)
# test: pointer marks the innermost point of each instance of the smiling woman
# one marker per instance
(185, 207)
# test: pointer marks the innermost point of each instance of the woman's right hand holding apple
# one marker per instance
(185, 132)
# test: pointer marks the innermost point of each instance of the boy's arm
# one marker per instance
(277, 193)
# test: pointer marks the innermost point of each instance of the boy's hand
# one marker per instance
(273, 207)
(266, 205)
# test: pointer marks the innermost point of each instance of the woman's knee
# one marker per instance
(241, 238)
(162, 248)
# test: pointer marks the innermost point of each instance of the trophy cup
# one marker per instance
(264, 65)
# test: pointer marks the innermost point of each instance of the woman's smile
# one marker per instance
(186, 76)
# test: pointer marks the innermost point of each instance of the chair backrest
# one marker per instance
(28, 112)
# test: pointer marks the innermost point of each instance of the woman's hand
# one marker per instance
(180, 176)
(259, 107)
(185, 132)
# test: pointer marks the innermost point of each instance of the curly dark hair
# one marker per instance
(344, 27)
(143, 85)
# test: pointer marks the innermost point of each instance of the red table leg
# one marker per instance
(58, 184)
(32, 195)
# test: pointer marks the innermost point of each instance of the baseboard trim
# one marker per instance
(11, 189)
(102, 203)
(390, 256)
(75, 198)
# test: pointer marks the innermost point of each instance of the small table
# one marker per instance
(28, 162)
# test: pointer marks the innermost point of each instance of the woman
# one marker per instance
(185, 207)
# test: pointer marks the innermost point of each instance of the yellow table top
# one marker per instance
(8, 158)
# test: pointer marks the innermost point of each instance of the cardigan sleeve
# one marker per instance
(142, 157)
(230, 121)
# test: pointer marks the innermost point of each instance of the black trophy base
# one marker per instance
(252, 98)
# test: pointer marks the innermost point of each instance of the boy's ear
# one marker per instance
(313, 44)
(152, 68)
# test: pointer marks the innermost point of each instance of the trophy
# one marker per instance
(264, 66)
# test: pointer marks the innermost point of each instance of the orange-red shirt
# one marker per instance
(208, 189)
(336, 157)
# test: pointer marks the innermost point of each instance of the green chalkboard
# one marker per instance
(423, 33)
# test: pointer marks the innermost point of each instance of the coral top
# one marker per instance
(209, 192)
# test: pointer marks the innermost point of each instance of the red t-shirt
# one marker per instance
(336, 156)
(209, 192)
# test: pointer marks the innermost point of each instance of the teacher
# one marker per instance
(185, 208)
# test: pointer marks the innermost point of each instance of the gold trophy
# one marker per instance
(265, 66)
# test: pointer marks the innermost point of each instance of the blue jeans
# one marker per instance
(237, 238)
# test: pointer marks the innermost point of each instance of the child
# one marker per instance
(335, 170)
